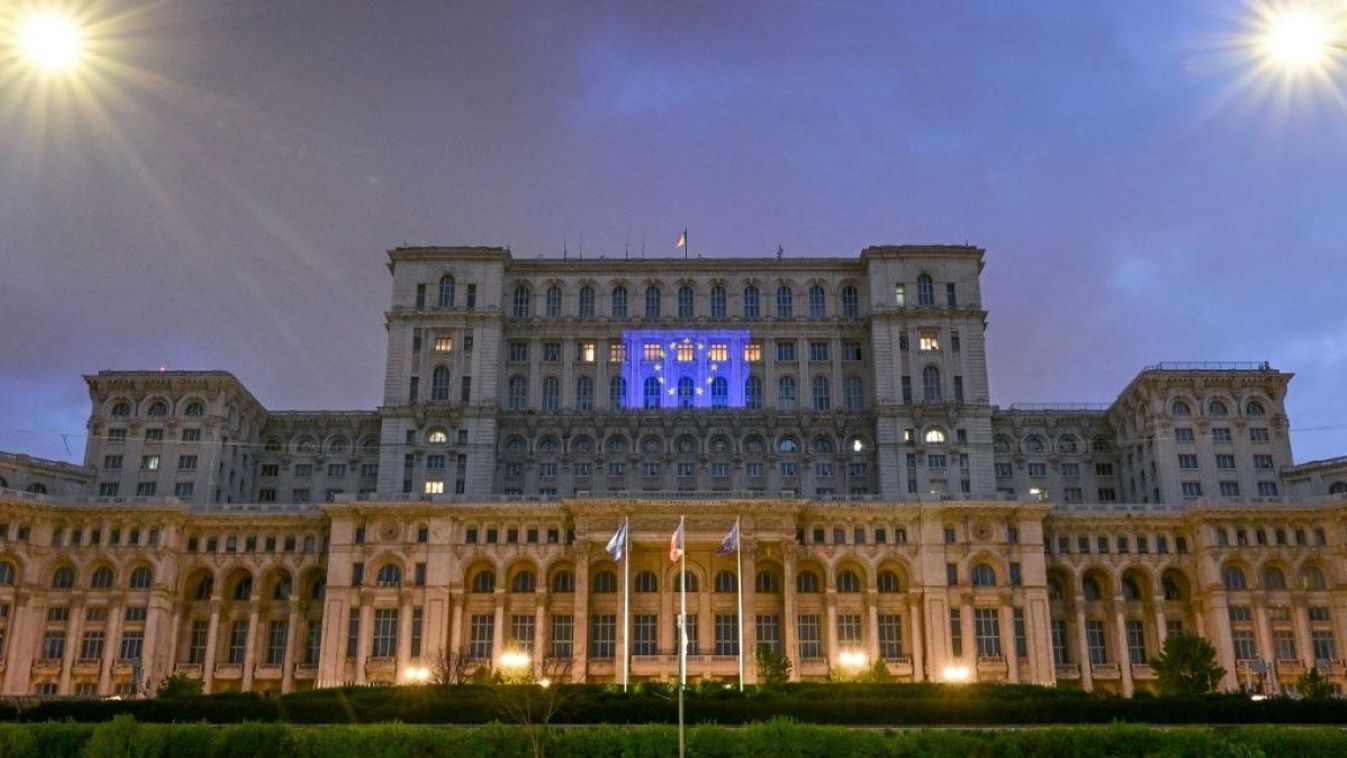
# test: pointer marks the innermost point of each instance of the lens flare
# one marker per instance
(1298, 38)
(50, 42)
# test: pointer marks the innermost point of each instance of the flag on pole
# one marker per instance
(731, 541)
(683, 239)
(618, 543)
(676, 543)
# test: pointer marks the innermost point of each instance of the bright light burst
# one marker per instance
(50, 41)
(1298, 37)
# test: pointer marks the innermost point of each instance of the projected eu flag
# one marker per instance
(685, 368)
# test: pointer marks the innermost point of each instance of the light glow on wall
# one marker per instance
(685, 368)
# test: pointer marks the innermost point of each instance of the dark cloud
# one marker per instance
(223, 198)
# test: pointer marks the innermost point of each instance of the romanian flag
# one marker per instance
(683, 239)
(676, 543)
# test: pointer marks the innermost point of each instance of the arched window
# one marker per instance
(273, 445)
(605, 581)
(619, 305)
(1055, 589)
(847, 581)
(519, 394)
(195, 409)
(1337, 488)
(563, 581)
(685, 302)
(925, 290)
(1034, 444)
(307, 446)
(439, 384)
(158, 408)
(720, 392)
(1273, 578)
(1217, 408)
(617, 393)
(692, 582)
(205, 588)
(930, 384)
(650, 392)
(818, 303)
(584, 394)
(1130, 590)
(822, 445)
(282, 589)
(1254, 408)
(767, 582)
(244, 589)
(717, 302)
(7, 574)
(102, 578)
(788, 445)
(726, 581)
(437, 437)
(1314, 578)
(1170, 588)
(752, 306)
(1234, 578)
(318, 589)
(785, 302)
(853, 393)
(446, 291)
(121, 409)
(888, 582)
(524, 581)
(37, 488)
(1180, 408)
(551, 393)
(806, 581)
(935, 436)
(617, 444)
(984, 576)
(1067, 445)
(652, 302)
(484, 581)
(686, 392)
(554, 302)
(523, 308)
(823, 396)
(785, 393)
(1090, 588)
(753, 392)
(851, 302)
(390, 575)
(587, 302)
(646, 581)
(338, 446)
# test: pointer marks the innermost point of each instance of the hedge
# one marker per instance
(125, 738)
(891, 705)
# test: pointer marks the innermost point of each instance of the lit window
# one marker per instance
(685, 352)
(900, 294)
(935, 437)
(434, 487)
(437, 437)
(719, 352)
(444, 344)
(587, 351)
(617, 352)
(652, 352)
(930, 340)
(753, 352)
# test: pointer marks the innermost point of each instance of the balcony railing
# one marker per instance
(188, 669)
(268, 670)
(229, 671)
(306, 671)
(1068, 670)
(1105, 671)
(1142, 671)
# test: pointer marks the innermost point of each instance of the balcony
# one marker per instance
(46, 665)
(1290, 667)
(124, 665)
(992, 664)
(899, 666)
(229, 671)
(87, 666)
(384, 664)
(1068, 670)
(1105, 671)
(192, 670)
(268, 670)
(306, 671)
(1142, 671)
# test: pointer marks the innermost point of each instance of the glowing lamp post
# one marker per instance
(853, 660)
(416, 675)
(957, 674)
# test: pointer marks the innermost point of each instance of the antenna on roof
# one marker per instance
(642, 244)
(626, 246)
(780, 251)
(582, 247)
(563, 247)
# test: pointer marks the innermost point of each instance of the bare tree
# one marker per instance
(449, 667)
(532, 706)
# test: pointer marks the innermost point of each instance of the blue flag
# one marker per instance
(731, 541)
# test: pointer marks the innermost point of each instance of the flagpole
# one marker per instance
(682, 630)
(626, 602)
(739, 556)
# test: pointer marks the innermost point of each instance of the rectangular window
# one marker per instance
(1136, 642)
(385, 638)
(91, 647)
(563, 631)
(1060, 650)
(753, 352)
(586, 351)
(1016, 574)
(1183, 434)
(808, 632)
(603, 636)
(852, 351)
(444, 344)
(1021, 635)
(1321, 640)
(768, 630)
(238, 642)
(276, 634)
(353, 633)
(53, 645)
(1258, 434)
(727, 634)
(1225, 461)
(1095, 642)
(955, 633)
(617, 352)
(890, 636)
(952, 574)
(929, 339)
(645, 634)
(1242, 642)
(1192, 490)
(1267, 489)
(518, 351)
(196, 641)
(785, 350)
(849, 629)
(1262, 462)
(481, 635)
(987, 631)
(521, 632)
(1284, 645)
(1187, 461)
(818, 351)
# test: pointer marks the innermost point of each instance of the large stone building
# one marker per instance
(838, 407)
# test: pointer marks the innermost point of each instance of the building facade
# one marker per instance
(838, 407)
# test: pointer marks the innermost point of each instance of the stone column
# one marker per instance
(1302, 626)
(250, 646)
(290, 659)
(1124, 655)
(1264, 633)
(540, 632)
(498, 625)
(113, 627)
(580, 630)
(1083, 650)
(404, 648)
(74, 624)
(1007, 613)
(872, 626)
(212, 642)
(455, 626)
(917, 634)
(789, 643)
(362, 645)
(748, 623)
(1161, 630)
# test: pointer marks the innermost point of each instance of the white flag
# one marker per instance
(618, 544)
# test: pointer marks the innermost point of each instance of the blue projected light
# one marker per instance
(685, 368)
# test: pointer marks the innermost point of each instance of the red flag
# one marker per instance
(676, 543)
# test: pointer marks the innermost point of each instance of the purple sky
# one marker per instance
(223, 195)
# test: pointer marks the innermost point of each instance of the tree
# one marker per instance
(773, 667)
(447, 667)
(178, 685)
(532, 706)
(1315, 686)
(1187, 666)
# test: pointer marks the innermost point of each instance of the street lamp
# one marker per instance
(957, 674)
(852, 660)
